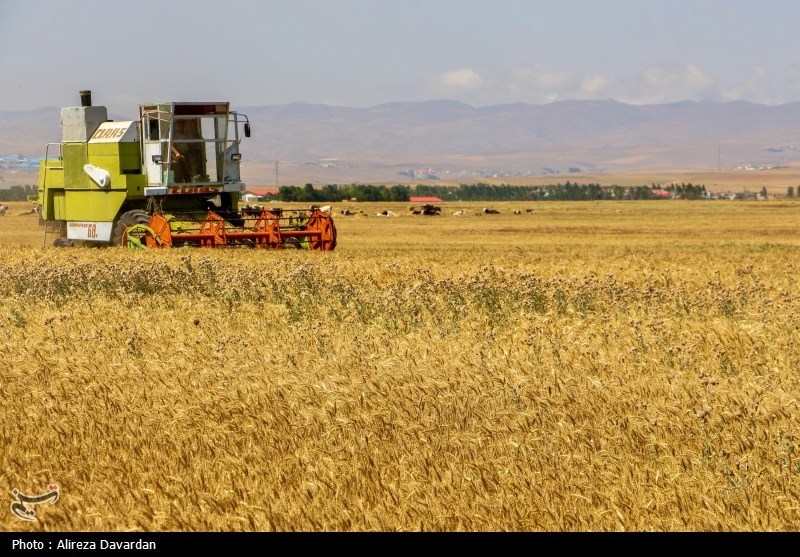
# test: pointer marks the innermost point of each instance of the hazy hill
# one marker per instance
(329, 144)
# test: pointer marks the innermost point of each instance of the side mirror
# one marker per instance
(247, 129)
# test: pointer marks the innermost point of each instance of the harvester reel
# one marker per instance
(213, 228)
(268, 223)
(322, 223)
(160, 233)
(314, 231)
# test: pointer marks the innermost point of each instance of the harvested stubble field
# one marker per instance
(585, 367)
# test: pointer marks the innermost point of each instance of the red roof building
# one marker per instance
(261, 192)
(424, 200)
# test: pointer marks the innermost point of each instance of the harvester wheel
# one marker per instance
(63, 243)
(128, 220)
(291, 243)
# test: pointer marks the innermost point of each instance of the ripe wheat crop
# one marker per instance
(583, 367)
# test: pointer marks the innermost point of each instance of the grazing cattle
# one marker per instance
(517, 212)
(386, 214)
(458, 213)
(431, 210)
(487, 211)
(252, 210)
(325, 208)
(347, 212)
(529, 210)
(3, 210)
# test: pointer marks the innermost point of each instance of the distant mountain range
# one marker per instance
(298, 142)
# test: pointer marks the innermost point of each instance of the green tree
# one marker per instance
(17, 193)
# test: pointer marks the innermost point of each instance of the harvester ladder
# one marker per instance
(44, 180)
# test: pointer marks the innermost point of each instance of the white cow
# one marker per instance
(3, 210)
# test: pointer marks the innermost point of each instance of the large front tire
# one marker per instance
(119, 236)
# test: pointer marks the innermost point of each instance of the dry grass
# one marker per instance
(587, 367)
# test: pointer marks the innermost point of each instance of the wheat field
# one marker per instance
(611, 366)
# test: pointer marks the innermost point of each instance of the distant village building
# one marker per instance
(425, 199)
(19, 161)
(254, 194)
(422, 173)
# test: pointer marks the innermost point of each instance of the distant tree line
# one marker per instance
(568, 191)
(335, 192)
(486, 192)
(18, 193)
(687, 191)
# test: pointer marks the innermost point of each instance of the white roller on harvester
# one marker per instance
(170, 178)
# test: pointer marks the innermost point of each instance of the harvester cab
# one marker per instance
(170, 178)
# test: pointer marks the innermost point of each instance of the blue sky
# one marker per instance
(366, 52)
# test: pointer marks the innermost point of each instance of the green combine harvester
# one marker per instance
(171, 178)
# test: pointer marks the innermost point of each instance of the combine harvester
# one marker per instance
(169, 179)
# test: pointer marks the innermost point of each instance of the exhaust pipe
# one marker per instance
(86, 98)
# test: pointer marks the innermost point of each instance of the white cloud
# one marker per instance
(594, 86)
(654, 84)
(465, 78)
